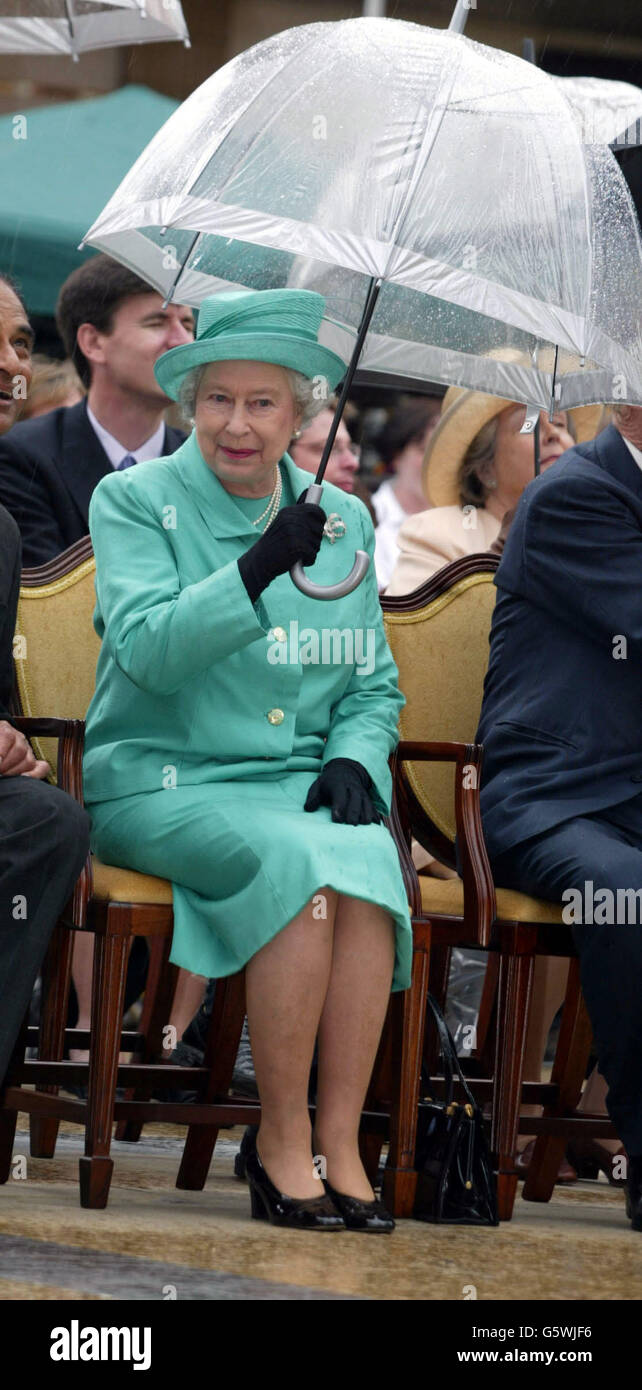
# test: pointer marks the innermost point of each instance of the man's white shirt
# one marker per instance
(116, 452)
(637, 453)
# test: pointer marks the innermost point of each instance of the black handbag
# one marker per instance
(456, 1184)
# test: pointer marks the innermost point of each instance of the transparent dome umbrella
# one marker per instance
(79, 26)
(436, 192)
(609, 113)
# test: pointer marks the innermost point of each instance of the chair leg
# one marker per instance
(569, 1070)
(483, 1050)
(514, 992)
(408, 1015)
(9, 1118)
(108, 1002)
(157, 1007)
(56, 978)
(224, 1035)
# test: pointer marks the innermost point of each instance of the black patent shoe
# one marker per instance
(361, 1216)
(301, 1214)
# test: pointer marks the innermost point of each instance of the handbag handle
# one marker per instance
(448, 1051)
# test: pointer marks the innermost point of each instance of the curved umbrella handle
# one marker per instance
(328, 591)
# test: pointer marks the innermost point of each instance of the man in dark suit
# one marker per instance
(44, 834)
(561, 725)
(114, 327)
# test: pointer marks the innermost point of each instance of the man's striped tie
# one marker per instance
(126, 462)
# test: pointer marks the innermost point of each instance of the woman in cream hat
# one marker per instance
(476, 467)
(236, 748)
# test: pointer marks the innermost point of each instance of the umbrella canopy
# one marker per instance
(56, 179)
(609, 113)
(78, 26)
(464, 185)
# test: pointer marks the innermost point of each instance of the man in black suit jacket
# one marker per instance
(561, 725)
(44, 834)
(114, 328)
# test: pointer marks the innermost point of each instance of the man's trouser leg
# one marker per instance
(44, 841)
(595, 858)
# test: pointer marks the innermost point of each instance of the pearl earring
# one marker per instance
(297, 434)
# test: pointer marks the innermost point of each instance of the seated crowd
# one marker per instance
(225, 437)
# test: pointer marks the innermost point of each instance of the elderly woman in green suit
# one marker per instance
(238, 739)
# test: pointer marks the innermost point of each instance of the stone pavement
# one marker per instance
(155, 1242)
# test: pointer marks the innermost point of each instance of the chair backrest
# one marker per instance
(55, 646)
(438, 636)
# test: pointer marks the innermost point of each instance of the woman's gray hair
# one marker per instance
(310, 396)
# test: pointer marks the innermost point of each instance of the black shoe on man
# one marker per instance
(634, 1192)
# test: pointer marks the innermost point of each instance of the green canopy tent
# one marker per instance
(58, 167)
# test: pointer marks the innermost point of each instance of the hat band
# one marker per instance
(261, 319)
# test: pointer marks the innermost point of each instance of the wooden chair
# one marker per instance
(439, 638)
(56, 651)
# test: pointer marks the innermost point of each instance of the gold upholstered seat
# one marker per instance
(126, 886)
(56, 649)
(446, 896)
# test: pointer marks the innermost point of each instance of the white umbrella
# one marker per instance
(608, 113)
(436, 192)
(333, 155)
(78, 26)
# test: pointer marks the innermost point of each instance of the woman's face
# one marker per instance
(16, 342)
(245, 417)
(514, 463)
(343, 462)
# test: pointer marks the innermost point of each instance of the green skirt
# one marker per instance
(244, 858)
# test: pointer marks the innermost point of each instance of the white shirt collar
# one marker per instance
(637, 453)
(386, 505)
(116, 452)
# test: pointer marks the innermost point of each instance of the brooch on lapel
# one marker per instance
(334, 528)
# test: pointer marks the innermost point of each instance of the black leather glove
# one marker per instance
(344, 785)
(295, 534)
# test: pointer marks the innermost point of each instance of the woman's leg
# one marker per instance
(188, 997)
(286, 985)
(353, 1016)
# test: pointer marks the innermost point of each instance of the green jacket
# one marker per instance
(193, 685)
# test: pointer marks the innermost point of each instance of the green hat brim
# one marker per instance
(312, 359)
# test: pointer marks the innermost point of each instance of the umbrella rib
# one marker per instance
(70, 21)
(587, 212)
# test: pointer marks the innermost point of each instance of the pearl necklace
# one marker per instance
(274, 502)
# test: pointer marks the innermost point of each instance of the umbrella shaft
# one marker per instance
(460, 15)
(371, 300)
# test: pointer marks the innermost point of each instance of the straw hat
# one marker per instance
(279, 326)
(463, 414)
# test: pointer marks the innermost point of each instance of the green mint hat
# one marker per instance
(278, 326)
